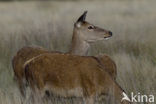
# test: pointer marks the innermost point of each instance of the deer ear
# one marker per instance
(82, 17)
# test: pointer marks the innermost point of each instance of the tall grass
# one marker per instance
(49, 25)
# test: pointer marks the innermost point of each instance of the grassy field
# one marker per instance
(50, 25)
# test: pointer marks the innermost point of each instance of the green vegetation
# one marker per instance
(49, 25)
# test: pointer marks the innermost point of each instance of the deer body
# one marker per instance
(69, 75)
(84, 33)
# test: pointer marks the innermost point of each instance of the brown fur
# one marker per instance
(79, 47)
(18, 61)
(68, 75)
(28, 53)
(108, 64)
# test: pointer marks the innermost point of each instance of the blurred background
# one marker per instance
(49, 24)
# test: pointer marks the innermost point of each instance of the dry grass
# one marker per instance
(49, 24)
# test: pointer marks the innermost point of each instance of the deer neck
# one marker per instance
(79, 46)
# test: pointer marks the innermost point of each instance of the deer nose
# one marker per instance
(110, 33)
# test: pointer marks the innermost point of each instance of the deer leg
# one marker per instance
(89, 100)
(22, 88)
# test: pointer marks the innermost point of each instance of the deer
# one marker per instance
(69, 75)
(84, 34)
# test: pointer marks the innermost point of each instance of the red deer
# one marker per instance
(84, 33)
(69, 75)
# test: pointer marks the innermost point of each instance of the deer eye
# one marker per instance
(90, 27)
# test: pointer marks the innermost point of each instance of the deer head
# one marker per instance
(85, 33)
(88, 32)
